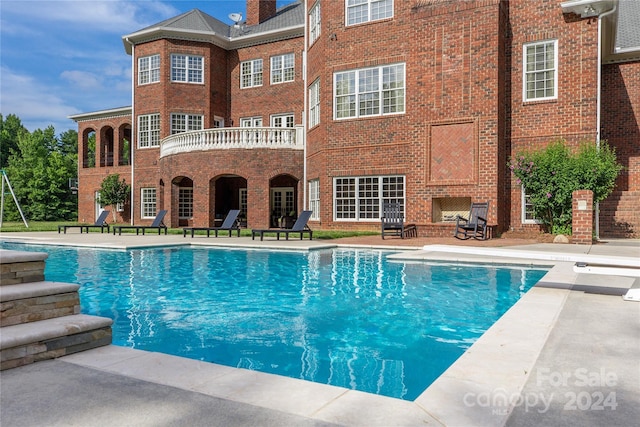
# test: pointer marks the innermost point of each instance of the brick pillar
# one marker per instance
(582, 217)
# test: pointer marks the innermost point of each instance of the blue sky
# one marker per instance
(60, 57)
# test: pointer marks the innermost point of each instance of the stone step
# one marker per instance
(47, 339)
(21, 267)
(34, 301)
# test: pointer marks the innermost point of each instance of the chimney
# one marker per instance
(259, 11)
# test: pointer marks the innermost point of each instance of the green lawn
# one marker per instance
(14, 226)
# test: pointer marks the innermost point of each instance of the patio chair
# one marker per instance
(476, 225)
(101, 223)
(157, 224)
(300, 226)
(392, 222)
(230, 223)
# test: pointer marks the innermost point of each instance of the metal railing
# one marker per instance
(232, 138)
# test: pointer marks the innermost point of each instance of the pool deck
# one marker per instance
(568, 353)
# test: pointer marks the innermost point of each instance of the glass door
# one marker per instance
(283, 209)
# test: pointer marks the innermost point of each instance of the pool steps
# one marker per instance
(41, 320)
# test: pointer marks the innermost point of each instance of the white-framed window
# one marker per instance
(367, 92)
(361, 198)
(359, 11)
(528, 214)
(314, 198)
(251, 73)
(218, 122)
(148, 69)
(148, 130)
(243, 203)
(283, 68)
(187, 68)
(251, 137)
(148, 202)
(540, 73)
(314, 23)
(185, 123)
(120, 207)
(314, 104)
(185, 202)
(251, 122)
(282, 121)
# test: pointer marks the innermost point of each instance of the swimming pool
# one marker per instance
(346, 317)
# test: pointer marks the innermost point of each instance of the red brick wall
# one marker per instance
(260, 10)
(220, 95)
(90, 179)
(267, 99)
(572, 116)
(448, 82)
(463, 70)
(257, 166)
(582, 217)
(620, 213)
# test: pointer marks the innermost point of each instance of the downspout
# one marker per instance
(134, 140)
(599, 101)
(304, 110)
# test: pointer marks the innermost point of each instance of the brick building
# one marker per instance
(337, 107)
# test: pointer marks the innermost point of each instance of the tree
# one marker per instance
(10, 129)
(113, 191)
(551, 175)
(91, 150)
(40, 178)
(68, 143)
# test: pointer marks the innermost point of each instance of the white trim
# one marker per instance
(252, 74)
(149, 70)
(283, 69)
(314, 110)
(556, 66)
(314, 198)
(369, 9)
(380, 196)
(143, 201)
(358, 94)
(283, 116)
(315, 23)
(523, 210)
(186, 68)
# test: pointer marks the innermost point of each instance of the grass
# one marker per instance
(15, 226)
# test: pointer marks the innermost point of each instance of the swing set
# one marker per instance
(5, 178)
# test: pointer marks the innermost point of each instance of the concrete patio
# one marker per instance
(565, 354)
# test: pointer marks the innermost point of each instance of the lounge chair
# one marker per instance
(101, 223)
(300, 226)
(392, 222)
(230, 223)
(475, 226)
(156, 225)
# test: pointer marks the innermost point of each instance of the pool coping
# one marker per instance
(498, 364)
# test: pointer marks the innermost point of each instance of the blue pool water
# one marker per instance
(344, 317)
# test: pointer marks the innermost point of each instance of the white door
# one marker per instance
(99, 207)
(251, 122)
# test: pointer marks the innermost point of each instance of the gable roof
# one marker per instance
(196, 25)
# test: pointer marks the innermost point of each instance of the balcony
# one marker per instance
(233, 138)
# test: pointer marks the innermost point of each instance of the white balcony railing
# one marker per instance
(228, 138)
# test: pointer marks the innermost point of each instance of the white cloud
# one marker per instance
(35, 104)
(109, 16)
(81, 79)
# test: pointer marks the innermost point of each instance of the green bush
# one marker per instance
(550, 176)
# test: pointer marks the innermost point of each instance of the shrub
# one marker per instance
(550, 176)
